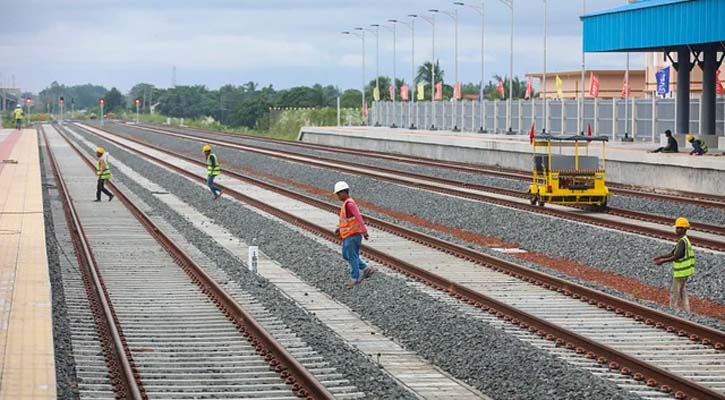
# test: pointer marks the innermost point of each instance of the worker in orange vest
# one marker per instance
(352, 230)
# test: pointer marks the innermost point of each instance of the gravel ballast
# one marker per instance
(607, 250)
(664, 208)
(498, 364)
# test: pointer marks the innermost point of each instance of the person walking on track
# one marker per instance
(103, 173)
(683, 264)
(213, 169)
(352, 230)
(18, 117)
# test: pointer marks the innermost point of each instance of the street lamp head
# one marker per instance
(345, 32)
(357, 28)
(395, 21)
(375, 25)
(413, 15)
(459, 3)
(433, 10)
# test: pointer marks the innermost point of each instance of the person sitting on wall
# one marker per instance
(671, 144)
(698, 146)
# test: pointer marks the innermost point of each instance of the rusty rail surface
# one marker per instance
(698, 199)
(591, 219)
(303, 382)
(123, 374)
(616, 360)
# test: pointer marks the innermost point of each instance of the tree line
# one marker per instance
(248, 105)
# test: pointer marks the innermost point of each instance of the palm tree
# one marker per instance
(424, 73)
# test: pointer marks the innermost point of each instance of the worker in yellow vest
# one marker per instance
(683, 264)
(352, 230)
(18, 117)
(103, 174)
(213, 169)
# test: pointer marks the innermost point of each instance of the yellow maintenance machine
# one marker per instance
(560, 177)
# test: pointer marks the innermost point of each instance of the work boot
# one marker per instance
(111, 197)
(97, 200)
(368, 272)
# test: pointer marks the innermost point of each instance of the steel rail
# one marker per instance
(304, 384)
(616, 360)
(691, 198)
(124, 376)
(362, 169)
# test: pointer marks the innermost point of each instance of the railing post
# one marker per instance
(654, 116)
(563, 116)
(495, 116)
(614, 118)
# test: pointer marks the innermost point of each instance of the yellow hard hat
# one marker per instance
(690, 138)
(682, 222)
(206, 148)
(100, 150)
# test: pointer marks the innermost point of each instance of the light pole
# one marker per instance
(480, 10)
(102, 103)
(361, 35)
(138, 103)
(432, 21)
(454, 17)
(376, 32)
(413, 88)
(395, 72)
(510, 5)
(581, 99)
(61, 102)
(546, 98)
(28, 103)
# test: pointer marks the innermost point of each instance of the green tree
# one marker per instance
(114, 100)
(300, 96)
(351, 98)
(252, 112)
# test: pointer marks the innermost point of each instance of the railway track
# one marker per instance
(169, 329)
(625, 220)
(698, 199)
(674, 355)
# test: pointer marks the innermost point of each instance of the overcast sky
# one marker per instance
(280, 42)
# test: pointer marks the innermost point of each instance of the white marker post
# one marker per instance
(253, 258)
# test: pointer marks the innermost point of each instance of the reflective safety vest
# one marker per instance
(213, 170)
(106, 173)
(18, 113)
(685, 266)
(703, 146)
(348, 226)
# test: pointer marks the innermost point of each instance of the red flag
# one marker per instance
(532, 133)
(529, 88)
(439, 91)
(391, 91)
(499, 89)
(718, 84)
(404, 92)
(589, 130)
(626, 88)
(365, 110)
(593, 85)
(457, 91)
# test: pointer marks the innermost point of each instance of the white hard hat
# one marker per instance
(340, 186)
(17, 106)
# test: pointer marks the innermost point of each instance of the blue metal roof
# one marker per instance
(653, 25)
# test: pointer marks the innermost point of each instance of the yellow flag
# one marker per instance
(376, 94)
(421, 91)
(559, 83)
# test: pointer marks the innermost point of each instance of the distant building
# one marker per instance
(611, 83)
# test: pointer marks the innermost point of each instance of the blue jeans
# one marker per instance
(351, 254)
(214, 188)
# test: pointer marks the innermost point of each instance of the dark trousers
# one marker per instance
(101, 187)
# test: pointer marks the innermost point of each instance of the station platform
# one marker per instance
(27, 366)
(626, 163)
